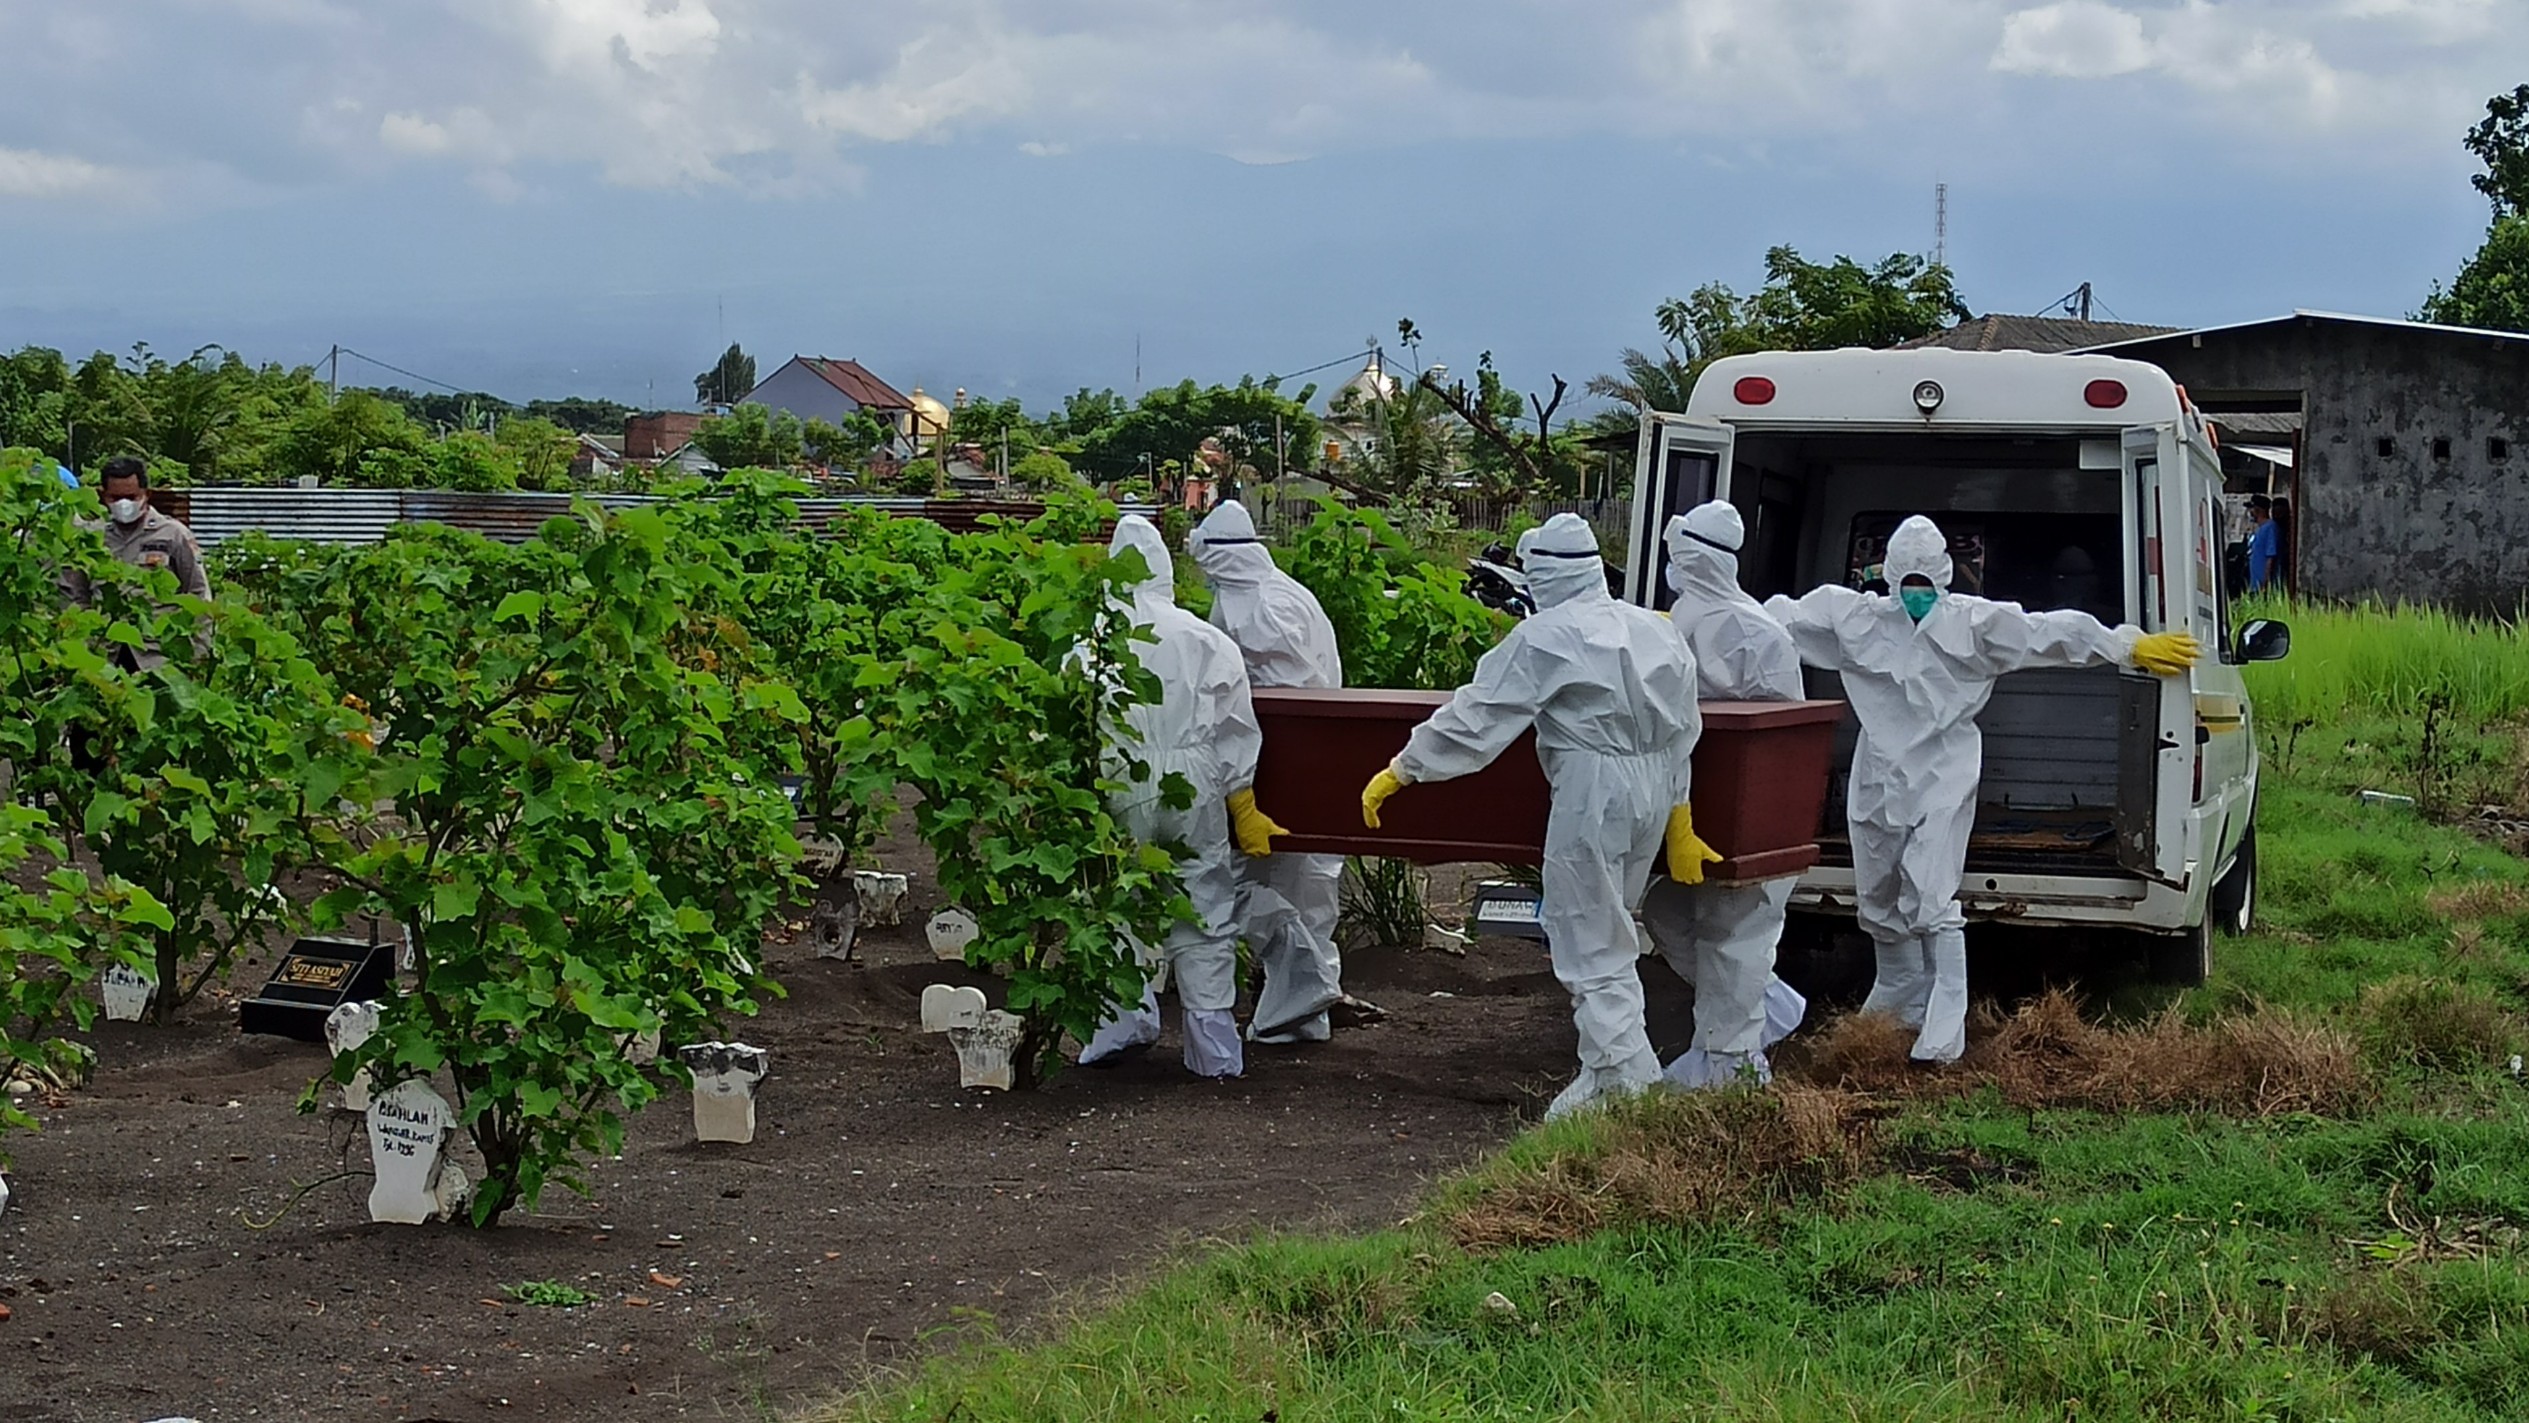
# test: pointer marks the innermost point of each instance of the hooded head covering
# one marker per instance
(1226, 547)
(1703, 554)
(1560, 557)
(1160, 588)
(1918, 547)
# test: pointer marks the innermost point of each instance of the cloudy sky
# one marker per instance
(550, 196)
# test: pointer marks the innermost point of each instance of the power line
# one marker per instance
(1345, 359)
(408, 375)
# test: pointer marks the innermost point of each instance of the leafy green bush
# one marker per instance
(990, 704)
(1401, 621)
(58, 930)
(578, 854)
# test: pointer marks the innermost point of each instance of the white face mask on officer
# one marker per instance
(127, 511)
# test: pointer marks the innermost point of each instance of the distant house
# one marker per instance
(2032, 333)
(597, 456)
(819, 388)
(658, 434)
(2399, 442)
(690, 459)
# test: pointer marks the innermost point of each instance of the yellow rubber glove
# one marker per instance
(1251, 828)
(2166, 654)
(1687, 853)
(1386, 783)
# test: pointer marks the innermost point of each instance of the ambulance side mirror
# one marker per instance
(2264, 640)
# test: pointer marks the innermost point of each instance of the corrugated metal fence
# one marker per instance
(365, 515)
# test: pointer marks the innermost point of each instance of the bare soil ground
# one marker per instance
(878, 1206)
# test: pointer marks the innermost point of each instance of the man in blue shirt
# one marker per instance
(2263, 545)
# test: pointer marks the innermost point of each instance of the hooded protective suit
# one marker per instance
(1916, 689)
(1721, 937)
(1204, 728)
(1610, 689)
(1288, 902)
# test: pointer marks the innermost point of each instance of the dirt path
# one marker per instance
(878, 1204)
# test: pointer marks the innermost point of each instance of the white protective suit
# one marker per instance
(1288, 902)
(1721, 937)
(1911, 801)
(1610, 689)
(1204, 728)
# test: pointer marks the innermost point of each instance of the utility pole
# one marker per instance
(333, 374)
(2084, 295)
(1281, 454)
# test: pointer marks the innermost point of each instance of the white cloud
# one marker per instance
(25, 173)
(411, 133)
(2073, 39)
(779, 97)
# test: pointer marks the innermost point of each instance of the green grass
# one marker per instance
(2369, 659)
(1960, 1258)
(547, 1294)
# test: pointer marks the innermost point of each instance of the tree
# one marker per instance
(2492, 291)
(581, 415)
(859, 436)
(1042, 472)
(541, 450)
(2501, 142)
(1172, 422)
(359, 439)
(728, 380)
(753, 437)
(1803, 306)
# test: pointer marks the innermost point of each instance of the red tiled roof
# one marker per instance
(855, 380)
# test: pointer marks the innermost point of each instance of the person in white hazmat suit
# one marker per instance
(1610, 689)
(1722, 937)
(1919, 663)
(1202, 727)
(1288, 902)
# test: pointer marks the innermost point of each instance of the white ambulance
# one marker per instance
(2110, 799)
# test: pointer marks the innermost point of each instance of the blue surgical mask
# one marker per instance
(1918, 601)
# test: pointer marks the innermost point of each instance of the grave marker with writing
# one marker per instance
(950, 931)
(126, 991)
(725, 1075)
(409, 1126)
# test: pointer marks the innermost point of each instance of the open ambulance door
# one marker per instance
(1681, 462)
(2155, 781)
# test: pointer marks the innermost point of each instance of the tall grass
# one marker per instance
(2371, 659)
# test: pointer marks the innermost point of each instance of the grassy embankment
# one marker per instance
(2296, 1193)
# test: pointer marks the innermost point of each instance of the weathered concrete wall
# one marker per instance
(2403, 525)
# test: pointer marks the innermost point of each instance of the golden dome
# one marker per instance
(929, 416)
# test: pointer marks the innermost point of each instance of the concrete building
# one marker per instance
(658, 434)
(2399, 443)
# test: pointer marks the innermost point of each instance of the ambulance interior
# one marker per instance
(2036, 521)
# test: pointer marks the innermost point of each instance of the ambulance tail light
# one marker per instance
(1753, 390)
(2104, 394)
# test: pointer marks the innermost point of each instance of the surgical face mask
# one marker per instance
(126, 510)
(1918, 601)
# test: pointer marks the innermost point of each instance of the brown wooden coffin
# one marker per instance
(1760, 783)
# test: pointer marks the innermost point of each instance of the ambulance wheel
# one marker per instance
(2182, 960)
(2233, 906)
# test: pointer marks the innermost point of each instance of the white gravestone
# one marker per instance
(835, 928)
(950, 1005)
(409, 1126)
(881, 896)
(725, 1075)
(821, 855)
(950, 931)
(983, 1051)
(641, 1048)
(126, 991)
(346, 1028)
(4, 1194)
